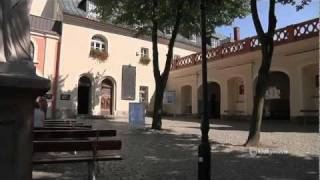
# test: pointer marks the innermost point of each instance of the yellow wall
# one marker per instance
(289, 58)
(37, 7)
(75, 61)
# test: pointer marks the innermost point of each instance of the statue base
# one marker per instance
(19, 88)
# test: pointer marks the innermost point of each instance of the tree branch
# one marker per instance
(156, 71)
(256, 21)
(271, 27)
(272, 17)
(172, 40)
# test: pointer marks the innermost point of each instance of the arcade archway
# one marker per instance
(277, 97)
(186, 99)
(214, 98)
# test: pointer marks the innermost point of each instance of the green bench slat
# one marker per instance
(76, 159)
(52, 134)
(75, 145)
(62, 128)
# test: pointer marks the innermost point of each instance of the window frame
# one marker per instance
(90, 7)
(144, 54)
(176, 56)
(101, 41)
(144, 90)
(35, 52)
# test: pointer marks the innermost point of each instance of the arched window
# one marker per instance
(99, 48)
(99, 43)
(31, 51)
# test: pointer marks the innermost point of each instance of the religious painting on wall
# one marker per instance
(241, 89)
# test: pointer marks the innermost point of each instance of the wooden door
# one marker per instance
(106, 100)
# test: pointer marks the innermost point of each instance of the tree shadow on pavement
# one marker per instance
(267, 126)
(167, 155)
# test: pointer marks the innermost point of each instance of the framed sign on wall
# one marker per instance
(65, 97)
(128, 88)
(169, 97)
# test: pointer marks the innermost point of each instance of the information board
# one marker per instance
(136, 114)
(169, 97)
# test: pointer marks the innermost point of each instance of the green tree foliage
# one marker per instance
(148, 17)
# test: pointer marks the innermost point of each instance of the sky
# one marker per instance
(286, 15)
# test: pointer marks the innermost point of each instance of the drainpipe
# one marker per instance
(55, 83)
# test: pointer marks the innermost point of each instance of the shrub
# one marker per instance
(98, 54)
(144, 60)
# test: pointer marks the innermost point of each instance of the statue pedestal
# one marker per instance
(17, 96)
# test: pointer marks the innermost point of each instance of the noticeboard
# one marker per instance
(128, 87)
(65, 97)
(48, 96)
(136, 114)
(169, 97)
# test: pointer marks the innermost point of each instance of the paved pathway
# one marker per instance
(289, 151)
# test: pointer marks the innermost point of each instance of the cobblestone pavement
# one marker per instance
(288, 151)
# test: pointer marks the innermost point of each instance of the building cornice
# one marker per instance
(85, 22)
(289, 34)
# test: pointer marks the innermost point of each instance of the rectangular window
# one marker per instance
(144, 52)
(143, 95)
(176, 56)
(193, 38)
(91, 7)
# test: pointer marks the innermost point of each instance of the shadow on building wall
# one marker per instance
(67, 99)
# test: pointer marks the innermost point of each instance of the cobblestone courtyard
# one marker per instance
(289, 151)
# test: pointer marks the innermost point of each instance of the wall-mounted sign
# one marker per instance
(169, 97)
(48, 96)
(136, 114)
(65, 97)
(128, 87)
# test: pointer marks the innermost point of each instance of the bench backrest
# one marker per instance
(75, 145)
(67, 125)
(63, 128)
(55, 134)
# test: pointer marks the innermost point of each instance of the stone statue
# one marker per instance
(15, 30)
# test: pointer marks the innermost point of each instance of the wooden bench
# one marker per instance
(46, 141)
(78, 133)
(64, 128)
(64, 123)
(233, 114)
(60, 122)
(309, 113)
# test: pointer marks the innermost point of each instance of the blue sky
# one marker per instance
(286, 15)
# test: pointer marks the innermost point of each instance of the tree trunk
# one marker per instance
(161, 79)
(157, 111)
(267, 46)
(256, 119)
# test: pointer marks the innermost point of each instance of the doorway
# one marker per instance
(277, 97)
(106, 97)
(214, 96)
(84, 87)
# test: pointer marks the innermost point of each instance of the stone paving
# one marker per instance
(289, 151)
